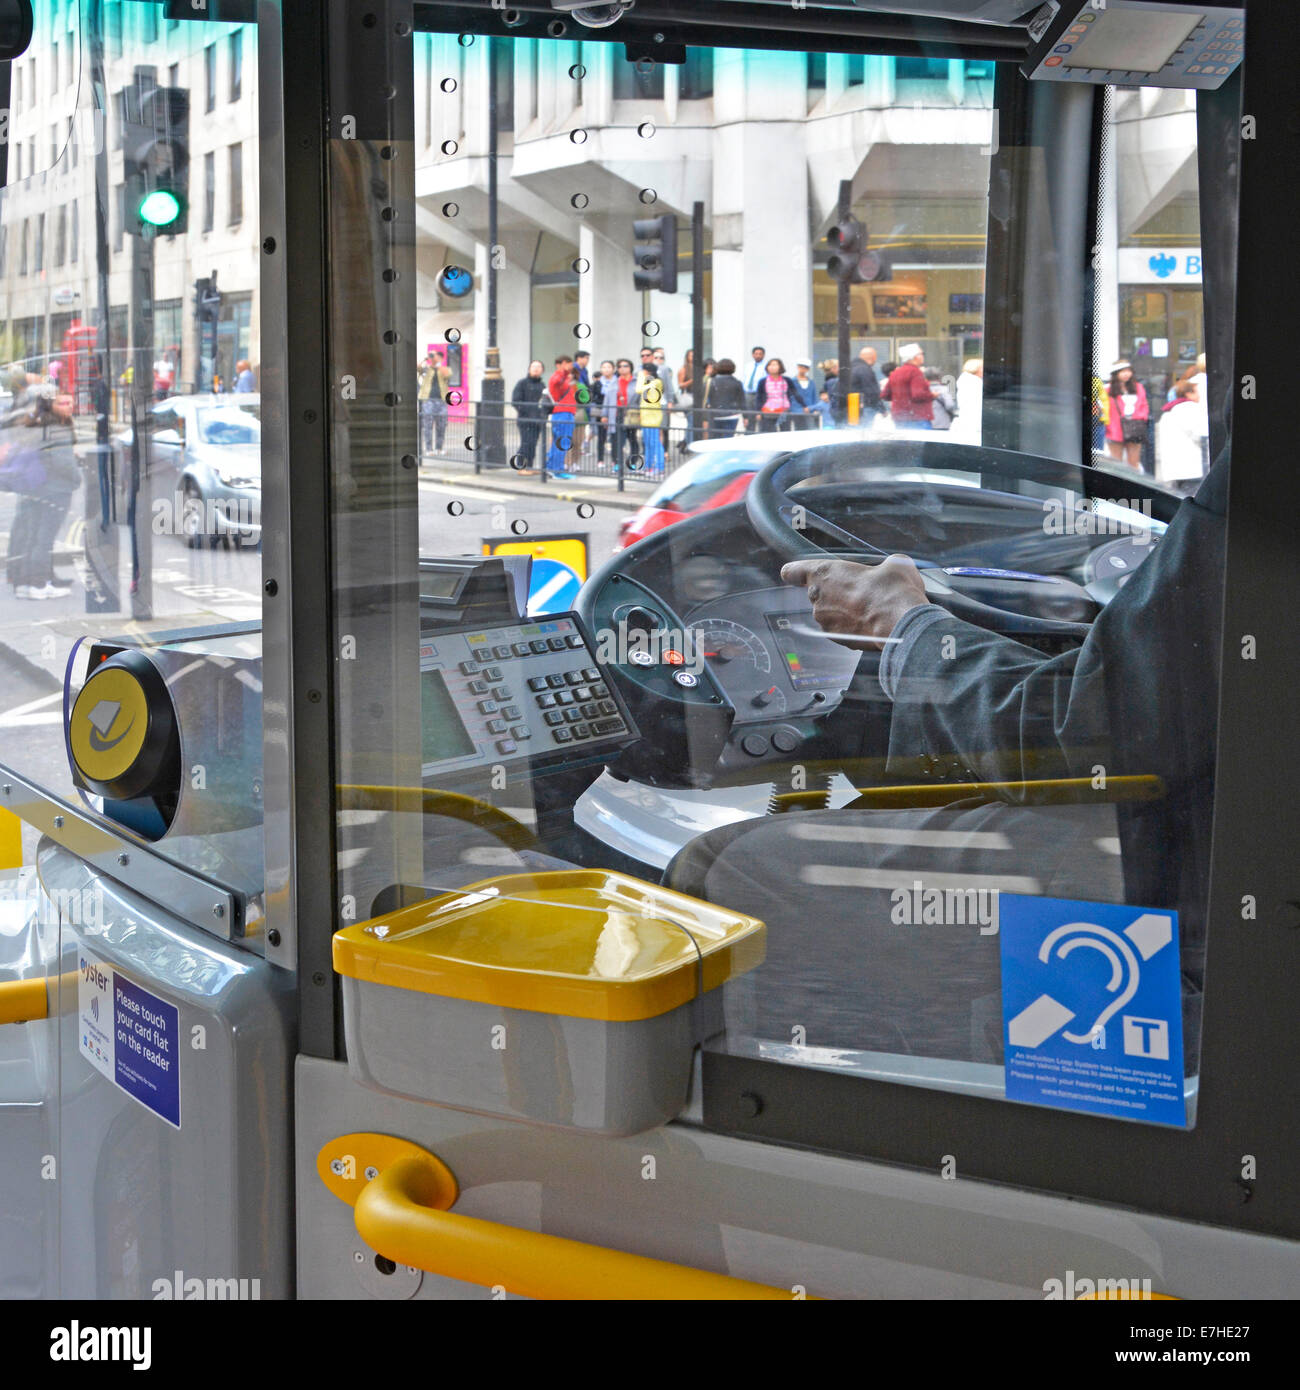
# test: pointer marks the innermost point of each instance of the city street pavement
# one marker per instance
(601, 491)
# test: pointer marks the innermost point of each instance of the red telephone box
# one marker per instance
(80, 343)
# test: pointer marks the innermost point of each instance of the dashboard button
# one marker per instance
(581, 731)
(564, 697)
(557, 644)
(507, 745)
(482, 653)
(639, 658)
(608, 726)
(555, 682)
(573, 677)
(582, 692)
(574, 715)
(469, 668)
(600, 690)
(553, 716)
(539, 645)
(575, 640)
(754, 744)
(785, 739)
(537, 683)
(523, 731)
(496, 726)
(591, 673)
(562, 735)
(488, 706)
(521, 648)
(686, 679)
(501, 653)
(608, 707)
(478, 687)
(492, 673)
(591, 710)
(512, 712)
(502, 692)
(546, 702)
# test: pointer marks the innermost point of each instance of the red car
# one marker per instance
(717, 473)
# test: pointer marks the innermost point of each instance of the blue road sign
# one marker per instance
(554, 587)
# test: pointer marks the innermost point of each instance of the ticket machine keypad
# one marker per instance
(525, 690)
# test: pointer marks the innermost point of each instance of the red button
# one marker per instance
(1052, 63)
(672, 658)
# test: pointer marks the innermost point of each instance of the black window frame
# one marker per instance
(209, 190)
(235, 174)
(235, 60)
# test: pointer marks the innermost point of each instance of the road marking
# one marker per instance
(37, 704)
(33, 713)
(479, 492)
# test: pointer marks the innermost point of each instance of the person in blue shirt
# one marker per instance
(581, 375)
(803, 397)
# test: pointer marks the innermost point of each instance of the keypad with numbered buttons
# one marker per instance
(514, 685)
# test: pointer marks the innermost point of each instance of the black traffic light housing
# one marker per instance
(850, 262)
(655, 254)
(207, 301)
(156, 159)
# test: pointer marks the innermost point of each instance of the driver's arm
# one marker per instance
(1004, 710)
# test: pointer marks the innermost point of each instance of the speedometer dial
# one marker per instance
(726, 643)
(743, 663)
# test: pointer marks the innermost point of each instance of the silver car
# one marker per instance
(214, 443)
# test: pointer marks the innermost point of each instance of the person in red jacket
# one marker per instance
(1130, 415)
(563, 390)
(911, 403)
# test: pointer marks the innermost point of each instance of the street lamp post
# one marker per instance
(492, 393)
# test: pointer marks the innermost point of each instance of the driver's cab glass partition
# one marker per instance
(966, 788)
(130, 437)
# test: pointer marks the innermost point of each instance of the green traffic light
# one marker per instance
(160, 208)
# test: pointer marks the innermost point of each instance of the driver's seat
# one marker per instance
(846, 964)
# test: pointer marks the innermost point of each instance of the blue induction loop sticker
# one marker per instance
(1092, 1008)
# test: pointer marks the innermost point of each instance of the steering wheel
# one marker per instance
(772, 513)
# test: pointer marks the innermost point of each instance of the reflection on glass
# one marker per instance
(132, 491)
(715, 679)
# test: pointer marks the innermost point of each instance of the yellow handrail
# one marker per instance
(21, 1001)
(428, 801)
(397, 1214)
(1046, 792)
(11, 841)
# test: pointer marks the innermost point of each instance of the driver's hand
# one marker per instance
(859, 600)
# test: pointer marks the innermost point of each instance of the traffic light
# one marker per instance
(850, 262)
(207, 301)
(156, 159)
(655, 254)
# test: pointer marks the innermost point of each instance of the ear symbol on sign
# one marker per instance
(1125, 970)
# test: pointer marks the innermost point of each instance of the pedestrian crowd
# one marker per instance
(1179, 452)
(620, 412)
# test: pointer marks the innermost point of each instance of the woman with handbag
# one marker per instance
(1130, 415)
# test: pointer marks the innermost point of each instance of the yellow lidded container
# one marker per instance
(579, 943)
